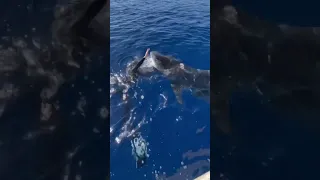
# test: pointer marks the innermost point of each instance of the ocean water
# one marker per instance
(178, 135)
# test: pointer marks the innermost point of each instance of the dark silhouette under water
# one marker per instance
(264, 97)
(278, 62)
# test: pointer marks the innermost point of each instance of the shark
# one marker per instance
(40, 64)
(181, 76)
(79, 26)
(278, 62)
(31, 74)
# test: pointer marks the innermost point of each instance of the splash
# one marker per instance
(127, 111)
(123, 106)
(134, 105)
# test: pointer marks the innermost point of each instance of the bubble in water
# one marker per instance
(179, 118)
(104, 112)
(118, 140)
(95, 130)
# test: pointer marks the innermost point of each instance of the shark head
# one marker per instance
(146, 69)
(162, 62)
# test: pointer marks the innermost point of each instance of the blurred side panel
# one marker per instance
(54, 89)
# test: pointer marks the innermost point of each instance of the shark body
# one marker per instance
(181, 76)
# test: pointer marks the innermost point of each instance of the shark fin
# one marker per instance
(178, 92)
(200, 93)
(203, 94)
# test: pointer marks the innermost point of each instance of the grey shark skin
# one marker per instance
(279, 62)
(181, 76)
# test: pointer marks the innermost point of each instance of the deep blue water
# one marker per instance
(270, 143)
(181, 29)
(285, 12)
